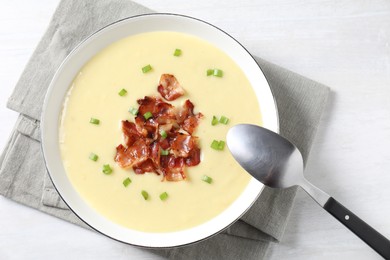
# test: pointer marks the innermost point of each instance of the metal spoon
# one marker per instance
(277, 163)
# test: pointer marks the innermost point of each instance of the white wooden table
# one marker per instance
(343, 44)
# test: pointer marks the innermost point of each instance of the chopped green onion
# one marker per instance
(215, 72)
(221, 145)
(224, 120)
(163, 134)
(163, 196)
(122, 92)
(147, 68)
(94, 121)
(164, 152)
(214, 121)
(133, 111)
(218, 73)
(107, 169)
(126, 182)
(93, 157)
(177, 53)
(148, 115)
(218, 145)
(207, 179)
(214, 144)
(145, 195)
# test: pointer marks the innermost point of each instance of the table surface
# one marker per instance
(343, 44)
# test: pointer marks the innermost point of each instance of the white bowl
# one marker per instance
(83, 53)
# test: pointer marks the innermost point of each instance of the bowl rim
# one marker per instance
(69, 56)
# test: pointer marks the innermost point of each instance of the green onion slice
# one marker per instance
(221, 145)
(163, 196)
(214, 144)
(126, 182)
(145, 194)
(148, 115)
(214, 121)
(224, 120)
(133, 111)
(147, 68)
(164, 152)
(94, 121)
(218, 145)
(107, 169)
(215, 72)
(163, 134)
(177, 53)
(122, 92)
(218, 73)
(207, 179)
(93, 157)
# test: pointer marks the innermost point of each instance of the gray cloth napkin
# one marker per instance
(23, 176)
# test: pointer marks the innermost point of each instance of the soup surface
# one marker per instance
(94, 94)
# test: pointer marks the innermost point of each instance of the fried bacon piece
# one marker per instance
(182, 145)
(184, 112)
(156, 106)
(130, 133)
(152, 163)
(163, 114)
(193, 157)
(146, 128)
(186, 117)
(170, 87)
(173, 168)
(191, 123)
(164, 144)
(132, 155)
(155, 154)
(146, 166)
(144, 141)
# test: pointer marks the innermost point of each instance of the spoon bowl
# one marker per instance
(277, 163)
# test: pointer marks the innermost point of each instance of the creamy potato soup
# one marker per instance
(148, 202)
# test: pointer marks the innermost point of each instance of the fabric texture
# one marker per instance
(23, 176)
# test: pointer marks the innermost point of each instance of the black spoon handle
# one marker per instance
(369, 235)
